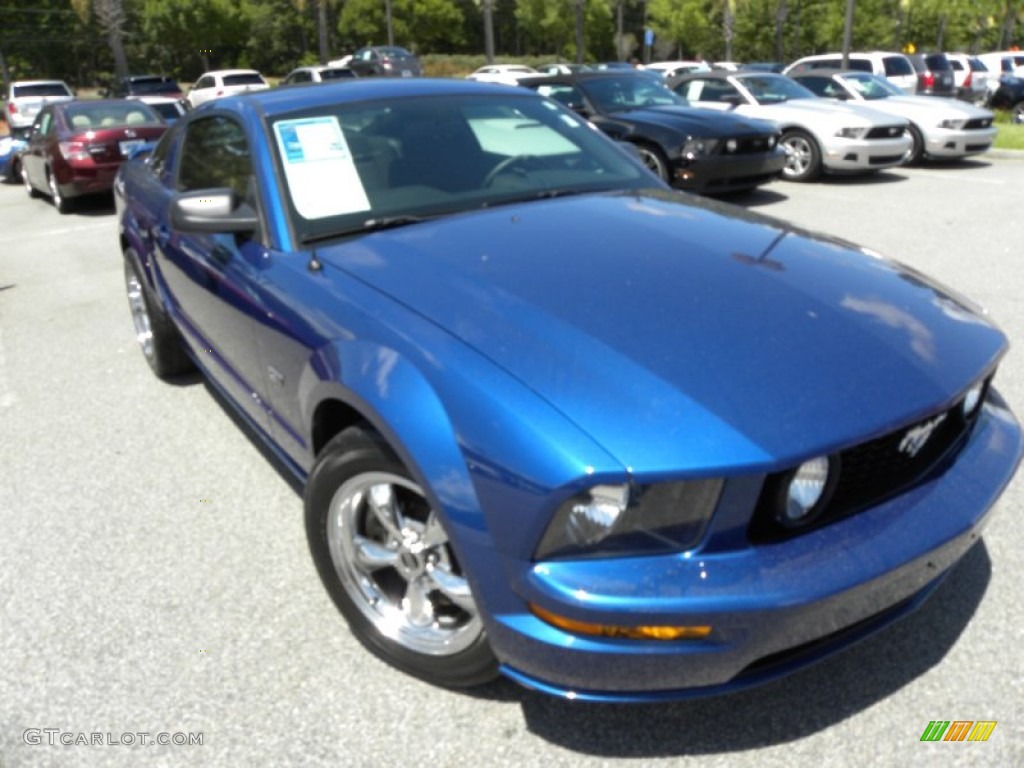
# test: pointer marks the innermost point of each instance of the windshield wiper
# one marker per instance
(544, 194)
(370, 225)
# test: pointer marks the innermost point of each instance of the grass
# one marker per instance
(1011, 135)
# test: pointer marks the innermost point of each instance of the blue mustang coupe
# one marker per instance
(555, 420)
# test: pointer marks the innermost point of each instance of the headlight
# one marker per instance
(953, 125)
(805, 491)
(772, 141)
(619, 520)
(972, 400)
(698, 147)
(851, 133)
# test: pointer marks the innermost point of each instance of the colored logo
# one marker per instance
(958, 730)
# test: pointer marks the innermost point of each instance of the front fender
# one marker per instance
(487, 451)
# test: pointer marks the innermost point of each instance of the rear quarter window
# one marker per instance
(937, 62)
(245, 79)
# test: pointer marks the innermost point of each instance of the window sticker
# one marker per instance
(319, 167)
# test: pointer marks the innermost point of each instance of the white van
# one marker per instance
(894, 67)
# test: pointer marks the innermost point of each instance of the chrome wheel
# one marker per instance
(653, 160)
(140, 313)
(392, 557)
(803, 159)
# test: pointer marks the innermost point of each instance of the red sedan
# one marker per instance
(76, 147)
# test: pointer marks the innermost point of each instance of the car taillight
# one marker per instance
(74, 151)
(967, 80)
(220, 91)
(928, 80)
(12, 108)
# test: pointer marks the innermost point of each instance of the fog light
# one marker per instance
(731, 145)
(805, 490)
(644, 632)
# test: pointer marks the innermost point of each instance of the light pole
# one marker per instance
(387, 16)
(489, 30)
(848, 32)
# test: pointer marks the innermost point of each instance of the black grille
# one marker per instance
(747, 145)
(978, 123)
(871, 472)
(885, 132)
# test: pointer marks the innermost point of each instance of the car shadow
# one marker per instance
(756, 197)
(890, 176)
(791, 708)
(955, 164)
(94, 205)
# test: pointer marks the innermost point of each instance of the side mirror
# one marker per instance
(213, 211)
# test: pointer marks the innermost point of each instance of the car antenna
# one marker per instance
(314, 263)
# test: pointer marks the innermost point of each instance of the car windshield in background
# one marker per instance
(621, 93)
(247, 78)
(82, 114)
(336, 74)
(39, 90)
(358, 167)
(772, 89)
(154, 85)
(872, 87)
(394, 52)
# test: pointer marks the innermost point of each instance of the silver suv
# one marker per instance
(894, 67)
(26, 97)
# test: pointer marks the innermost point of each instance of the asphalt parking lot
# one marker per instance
(154, 575)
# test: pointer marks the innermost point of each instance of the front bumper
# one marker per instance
(719, 174)
(864, 155)
(773, 608)
(947, 143)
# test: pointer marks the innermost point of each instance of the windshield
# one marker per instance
(38, 90)
(617, 94)
(247, 78)
(353, 167)
(872, 87)
(773, 89)
(153, 85)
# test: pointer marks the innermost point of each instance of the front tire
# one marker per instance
(654, 159)
(916, 152)
(384, 557)
(803, 158)
(1017, 113)
(32, 191)
(159, 340)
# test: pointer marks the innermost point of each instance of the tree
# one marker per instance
(111, 17)
(422, 25)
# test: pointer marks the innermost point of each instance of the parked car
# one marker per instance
(1010, 96)
(894, 67)
(385, 61)
(26, 97)
(763, 66)
(76, 147)
(11, 147)
(506, 74)
(224, 82)
(934, 74)
(818, 136)
(1002, 64)
(691, 149)
(970, 76)
(670, 69)
(562, 68)
(939, 128)
(318, 74)
(136, 86)
(553, 419)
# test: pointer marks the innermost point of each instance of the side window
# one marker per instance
(45, 123)
(861, 65)
(161, 153)
(819, 86)
(568, 95)
(204, 82)
(897, 65)
(214, 154)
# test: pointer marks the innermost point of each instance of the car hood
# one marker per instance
(696, 122)
(820, 112)
(686, 335)
(924, 107)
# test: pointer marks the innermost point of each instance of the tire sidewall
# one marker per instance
(351, 453)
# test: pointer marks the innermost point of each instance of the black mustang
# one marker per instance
(693, 149)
